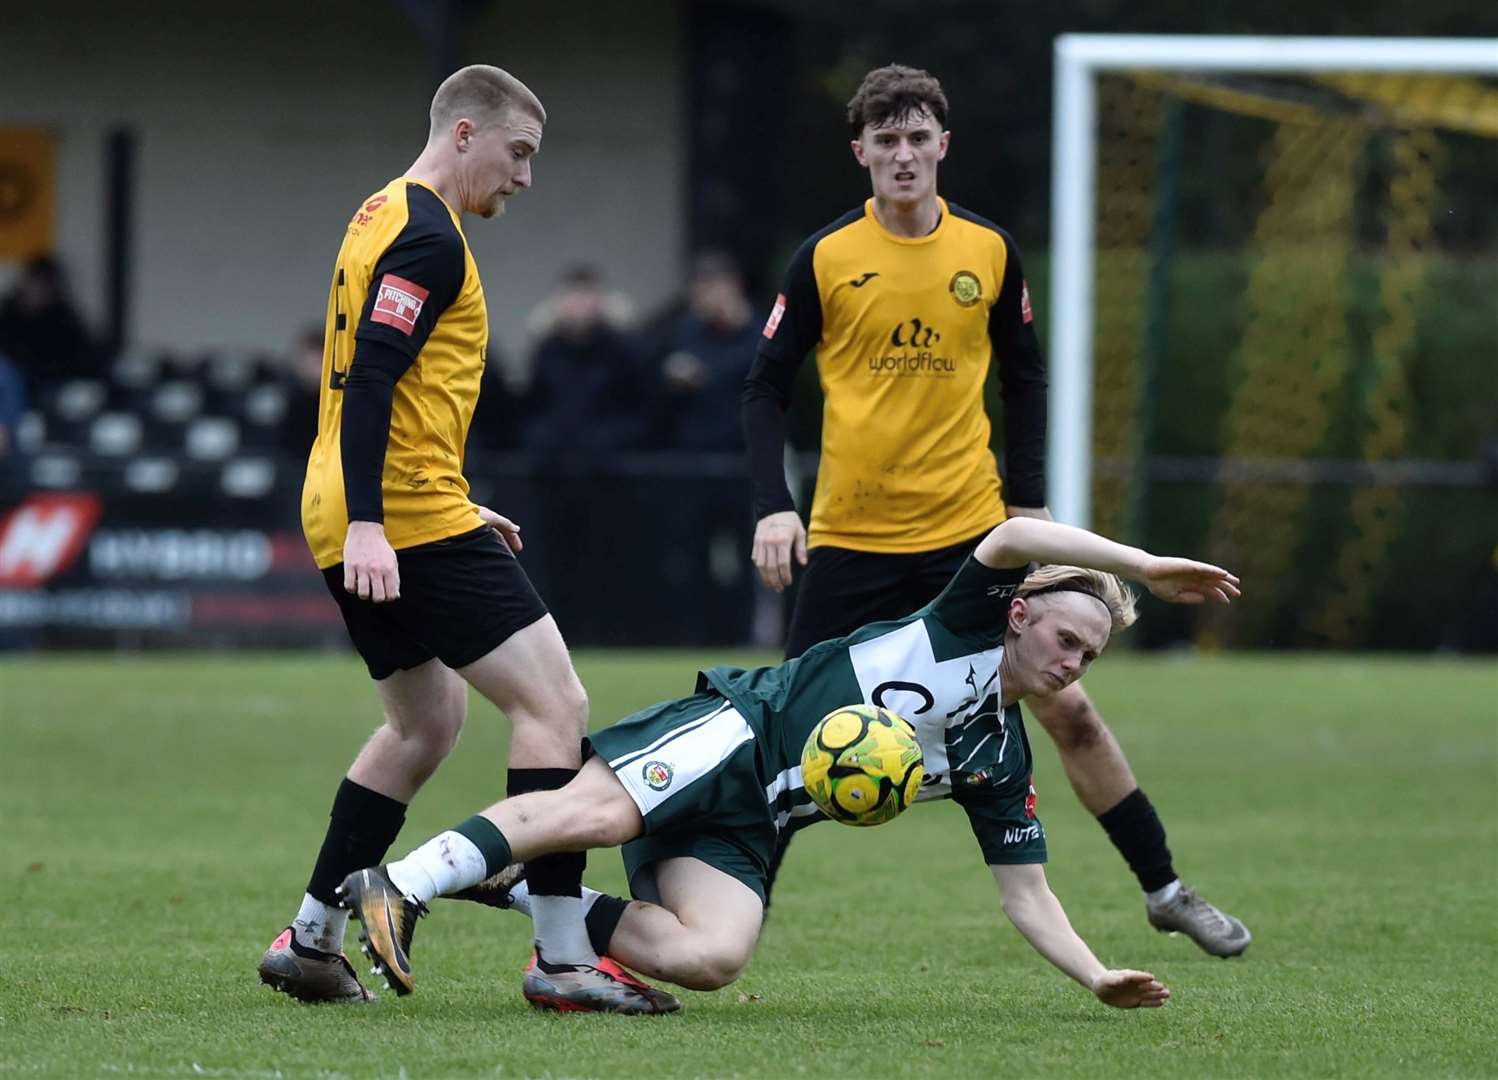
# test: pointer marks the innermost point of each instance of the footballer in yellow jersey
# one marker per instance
(406, 284)
(907, 302)
(904, 331)
(428, 584)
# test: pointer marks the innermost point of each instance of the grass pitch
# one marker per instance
(160, 815)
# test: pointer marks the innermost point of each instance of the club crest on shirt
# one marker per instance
(398, 303)
(658, 775)
(966, 289)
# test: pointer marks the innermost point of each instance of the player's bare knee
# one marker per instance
(444, 737)
(572, 705)
(712, 966)
(554, 725)
(438, 733)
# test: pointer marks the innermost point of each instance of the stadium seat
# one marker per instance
(228, 378)
(137, 369)
(151, 475)
(172, 405)
(264, 410)
(115, 434)
(31, 432)
(211, 438)
(79, 399)
(71, 406)
(57, 469)
(248, 478)
(176, 402)
(233, 373)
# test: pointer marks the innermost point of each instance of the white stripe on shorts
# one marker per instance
(789, 778)
(624, 759)
(673, 763)
(799, 810)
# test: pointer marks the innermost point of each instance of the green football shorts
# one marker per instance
(690, 766)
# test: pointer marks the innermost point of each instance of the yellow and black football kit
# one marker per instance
(403, 357)
(904, 332)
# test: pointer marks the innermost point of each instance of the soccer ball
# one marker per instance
(862, 765)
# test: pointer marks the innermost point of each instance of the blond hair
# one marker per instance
(1115, 596)
(484, 94)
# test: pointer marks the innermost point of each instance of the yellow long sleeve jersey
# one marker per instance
(904, 331)
(403, 357)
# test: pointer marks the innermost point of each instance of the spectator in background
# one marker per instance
(706, 352)
(303, 389)
(41, 331)
(499, 417)
(587, 396)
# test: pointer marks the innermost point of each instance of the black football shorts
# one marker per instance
(460, 599)
(841, 590)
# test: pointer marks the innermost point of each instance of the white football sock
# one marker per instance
(520, 898)
(1163, 895)
(561, 934)
(319, 926)
(447, 862)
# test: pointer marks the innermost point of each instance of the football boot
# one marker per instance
(585, 988)
(308, 974)
(389, 921)
(493, 891)
(1215, 931)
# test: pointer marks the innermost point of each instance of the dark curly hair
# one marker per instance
(895, 93)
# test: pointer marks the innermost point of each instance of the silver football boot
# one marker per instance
(1215, 931)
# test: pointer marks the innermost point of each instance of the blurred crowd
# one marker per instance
(597, 379)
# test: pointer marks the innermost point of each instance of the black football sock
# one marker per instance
(362, 826)
(603, 919)
(1136, 831)
(560, 874)
(555, 882)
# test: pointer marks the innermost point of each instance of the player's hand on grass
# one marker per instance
(369, 567)
(1125, 989)
(508, 531)
(779, 538)
(1183, 581)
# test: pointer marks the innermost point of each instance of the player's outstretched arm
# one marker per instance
(1020, 541)
(1032, 907)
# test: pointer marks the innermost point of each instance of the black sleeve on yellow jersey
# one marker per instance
(1023, 382)
(416, 279)
(1022, 379)
(793, 330)
(414, 282)
(368, 397)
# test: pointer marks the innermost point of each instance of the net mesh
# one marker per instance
(1294, 353)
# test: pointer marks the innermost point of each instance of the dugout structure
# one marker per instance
(1273, 324)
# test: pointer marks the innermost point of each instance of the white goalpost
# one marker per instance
(1080, 59)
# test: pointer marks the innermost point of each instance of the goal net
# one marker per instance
(1288, 360)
